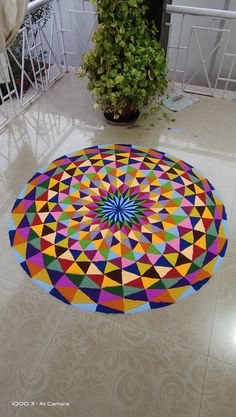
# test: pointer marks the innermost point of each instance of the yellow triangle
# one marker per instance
(142, 267)
(38, 229)
(171, 257)
(42, 276)
(189, 237)
(148, 282)
(39, 205)
(177, 292)
(80, 297)
(63, 243)
(83, 258)
(50, 251)
(21, 249)
(17, 218)
(107, 282)
(207, 214)
(110, 267)
(201, 242)
(131, 304)
(183, 269)
(75, 269)
(210, 266)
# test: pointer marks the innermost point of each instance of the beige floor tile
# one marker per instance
(127, 365)
(223, 341)
(219, 390)
(111, 370)
(6, 407)
(28, 320)
(188, 322)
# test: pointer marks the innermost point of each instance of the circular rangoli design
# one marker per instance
(119, 229)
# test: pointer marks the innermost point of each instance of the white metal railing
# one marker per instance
(200, 11)
(201, 50)
(33, 62)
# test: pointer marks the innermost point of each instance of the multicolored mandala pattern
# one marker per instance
(119, 229)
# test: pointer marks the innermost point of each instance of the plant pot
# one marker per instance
(125, 119)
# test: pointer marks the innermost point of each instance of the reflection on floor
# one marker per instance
(178, 361)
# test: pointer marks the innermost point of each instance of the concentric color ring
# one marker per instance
(119, 229)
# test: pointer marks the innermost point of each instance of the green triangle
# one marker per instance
(199, 184)
(130, 256)
(212, 209)
(42, 187)
(30, 217)
(177, 219)
(105, 253)
(36, 243)
(71, 231)
(178, 201)
(76, 279)
(169, 237)
(209, 201)
(168, 283)
(200, 260)
(151, 175)
(90, 176)
(157, 285)
(64, 216)
(115, 290)
(67, 200)
(32, 235)
(130, 290)
(130, 169)
(85, 243)
(152, 249)
(193, 268)
(209, 240)
(31, 209)
(55, 265)
(47, 259)
(40, 191)
(212, 230)
(88, 283)
(76, 186)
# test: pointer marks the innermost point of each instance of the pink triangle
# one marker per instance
(107, 296)
(24, 232)
(153, 293)
(65, 282)
(37, 259)
(175, 244)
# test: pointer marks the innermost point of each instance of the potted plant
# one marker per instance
(126, 68)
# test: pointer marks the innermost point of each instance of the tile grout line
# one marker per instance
(149, 333)
(203, 385)
(220, 283)
(216, 304)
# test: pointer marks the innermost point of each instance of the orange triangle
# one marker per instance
(67, 292)
(115, 304)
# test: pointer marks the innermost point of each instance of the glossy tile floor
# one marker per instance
(179, 361)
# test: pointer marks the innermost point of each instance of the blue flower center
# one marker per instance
(118, 208)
